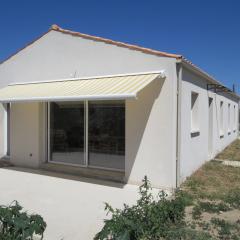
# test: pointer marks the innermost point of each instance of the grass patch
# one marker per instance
(232, 152)
(213, 193)
(214, 181)
(226, 230)
(209, 207)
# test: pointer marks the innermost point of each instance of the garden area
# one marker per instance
(232, 152)
(207, 206)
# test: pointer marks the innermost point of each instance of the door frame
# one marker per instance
(86, 141)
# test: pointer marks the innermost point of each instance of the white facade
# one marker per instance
(158, 141)
(209, 140)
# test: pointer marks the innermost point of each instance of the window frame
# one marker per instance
(234, 118)
(221, 122)
(195, 121)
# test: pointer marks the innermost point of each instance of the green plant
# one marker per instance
(224, 228)
(150, 218)
(196, 213)
(15, 224)
(233, 198)
(209, 207)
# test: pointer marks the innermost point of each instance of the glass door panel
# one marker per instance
(67, 132)
(106, 134)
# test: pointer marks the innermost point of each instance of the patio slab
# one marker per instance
(73, 207)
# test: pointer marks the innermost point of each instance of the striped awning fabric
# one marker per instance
(98, 88)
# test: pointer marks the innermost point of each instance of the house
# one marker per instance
(91, 106)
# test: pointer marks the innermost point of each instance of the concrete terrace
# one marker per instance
(73, 207)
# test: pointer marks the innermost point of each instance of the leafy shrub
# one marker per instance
(16, 224)
(149, 219)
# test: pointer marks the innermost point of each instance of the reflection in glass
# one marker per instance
(67, 132)
(106, 124)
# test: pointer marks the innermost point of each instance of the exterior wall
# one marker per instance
(58, 55)
(194, 151)
(3, 130)
(150, 120)
(151, 136)
(25, 136)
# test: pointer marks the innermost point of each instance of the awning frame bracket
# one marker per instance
(217, 88)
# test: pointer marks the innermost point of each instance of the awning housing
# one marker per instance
(98, 88)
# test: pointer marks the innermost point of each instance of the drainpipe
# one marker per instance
(178, 122)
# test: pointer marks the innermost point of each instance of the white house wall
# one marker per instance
(25, 134)
(150, 142)
(57, 55)
(194, 151)
(150, 120)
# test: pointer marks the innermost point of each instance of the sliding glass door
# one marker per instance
(67, 121)
(106, 130)
(90, 133)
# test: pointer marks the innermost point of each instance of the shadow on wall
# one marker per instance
(137, 116)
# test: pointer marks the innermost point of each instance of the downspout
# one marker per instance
(178, 120)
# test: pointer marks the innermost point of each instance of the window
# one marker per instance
(194, 113)
(221, 120)
(229, 118)
(234, 118)
(87, 133)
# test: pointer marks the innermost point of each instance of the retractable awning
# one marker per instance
(98, 88)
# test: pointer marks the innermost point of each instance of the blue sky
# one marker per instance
(206, 32)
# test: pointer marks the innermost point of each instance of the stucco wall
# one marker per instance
(57, 55)
(3, 130)
(194, 151)
(151, 136)
(150, 120)
(25, 134)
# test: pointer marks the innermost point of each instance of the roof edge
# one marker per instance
(27, 45)
(55, 27)
(211, 79)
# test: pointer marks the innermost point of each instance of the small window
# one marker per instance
(234, 118)
(221, 120)
(194, 113)
(229, 118)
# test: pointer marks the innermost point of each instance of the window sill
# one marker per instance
(195, 133)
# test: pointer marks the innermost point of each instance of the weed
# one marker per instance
(149, 219)
(224, 228)
(233, 197)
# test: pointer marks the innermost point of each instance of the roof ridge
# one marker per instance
(55, 27)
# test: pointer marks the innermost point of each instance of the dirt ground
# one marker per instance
(214, 195)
